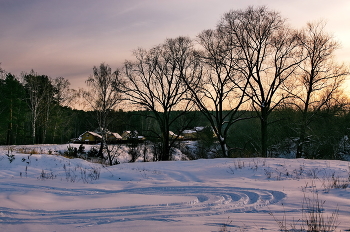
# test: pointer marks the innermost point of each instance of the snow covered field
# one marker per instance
(43, 192)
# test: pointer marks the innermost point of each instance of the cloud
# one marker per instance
(67, 38)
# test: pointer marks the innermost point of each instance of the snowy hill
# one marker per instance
(48, 192)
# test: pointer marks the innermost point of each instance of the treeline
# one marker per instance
(326, 135)
(32, 110)
(36, 109)
(260, 85)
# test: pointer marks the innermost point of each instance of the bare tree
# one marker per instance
(103, 96)
(269, 54)
(154, 83)
(63, 97)
(63, 94)
(319, 77)
(215, 94)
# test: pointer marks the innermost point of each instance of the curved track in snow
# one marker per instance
(199, 201)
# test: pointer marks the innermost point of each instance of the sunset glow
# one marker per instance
(65, 38)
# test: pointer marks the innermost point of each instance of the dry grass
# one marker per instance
(313, 218)
(29, 150)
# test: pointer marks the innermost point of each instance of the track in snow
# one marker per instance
(205, 201)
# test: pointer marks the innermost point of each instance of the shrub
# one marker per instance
(81, 149)
(335, 182)
(87, 175)
(11, 157)
(46, 175)
(93, 152)
(72, 152)
(134, 152)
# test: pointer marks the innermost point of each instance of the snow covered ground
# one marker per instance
(43, 192)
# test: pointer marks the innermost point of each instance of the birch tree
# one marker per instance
(103, 96)
(39, 95)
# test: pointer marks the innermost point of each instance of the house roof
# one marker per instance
(92, 133)
(189, 131)
(194, 130)
(130, 133)
(116, 135)
(199, 128)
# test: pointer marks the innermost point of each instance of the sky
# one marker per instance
(64, 38)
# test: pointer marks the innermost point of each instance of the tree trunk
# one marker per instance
(264, 134)
(304, 122)
(9, 135)
(165, 149)
(100, 152)
(33, 132)
(9, 131)
(109, 156)
(302, 135)
(301, 141)
(223, 146)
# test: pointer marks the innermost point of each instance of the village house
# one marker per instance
(172, 135)
(113, 137)
(90, 137)
(192, 134)
(127, 135)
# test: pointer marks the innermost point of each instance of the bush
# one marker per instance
(134, 151)
(72, 152)
(11, 157)
(93, 152)
(46, 175)
(81, 149)
(87, 175)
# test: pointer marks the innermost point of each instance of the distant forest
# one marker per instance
(327, 136)
(258, 86)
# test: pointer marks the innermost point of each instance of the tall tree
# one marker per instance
(63, 94)
(62, 98)
(269, 54)
(14, 107)
(2, 73)
(319, 77)
(103, 96)
(154, 82)
(212, 89)
(39, 98)
(2, 77)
